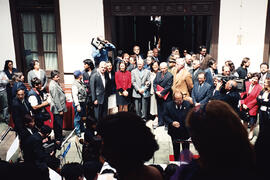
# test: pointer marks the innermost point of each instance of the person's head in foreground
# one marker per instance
(127, 143)
(221, 140)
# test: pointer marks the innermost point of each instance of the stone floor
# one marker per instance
(74, 153)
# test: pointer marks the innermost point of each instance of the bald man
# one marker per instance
(99, 84)
(140, 79)
(175, 114)
(163, 79)
(231, 96)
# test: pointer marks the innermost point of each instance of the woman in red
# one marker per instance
(123, 87)
(249, 102)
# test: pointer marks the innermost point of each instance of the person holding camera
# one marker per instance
(100, 49)
(249, 103)
(35, 153)
(230, 96)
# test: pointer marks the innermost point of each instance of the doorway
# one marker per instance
(164, 32)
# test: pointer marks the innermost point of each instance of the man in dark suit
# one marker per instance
(264, 68)
(89, 70)
(34, 152)
(201, 92)
(242, 70)
(20, 107)
(231, 96)
(99, 84)
(165, 80)
(175, 115)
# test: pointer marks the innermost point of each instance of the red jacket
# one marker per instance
(251, 100)
(123, 80)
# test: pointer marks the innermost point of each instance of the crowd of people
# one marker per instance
(184, 93)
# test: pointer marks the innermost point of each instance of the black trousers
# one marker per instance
(176, 148)
(101, 110)
(58, 126)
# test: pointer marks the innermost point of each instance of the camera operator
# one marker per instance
(230, 96)
(100, 49)
(35, 153)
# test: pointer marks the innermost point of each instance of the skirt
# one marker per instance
(112, 101)
(153, 105)
(122, 100)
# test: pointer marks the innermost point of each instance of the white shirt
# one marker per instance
(33, 100)
(264, 97)
(89, 73)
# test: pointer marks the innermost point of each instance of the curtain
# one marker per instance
(49, 41)
(29, 31)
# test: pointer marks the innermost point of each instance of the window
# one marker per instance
(37, 26)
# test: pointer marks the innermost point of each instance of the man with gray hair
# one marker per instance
(162, 87)
(182, 79)
(140, 79)
(188, 60)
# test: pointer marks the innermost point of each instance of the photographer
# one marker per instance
(35, 153)
(100, 49)
(230, 96)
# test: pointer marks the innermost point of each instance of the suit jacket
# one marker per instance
(232, 98)
(204, 62)
(112, 87)
(182, 81)
(165, 82)
(262, 102)
(86, 80)
(251, 99)
(209, 77)
(171, 113)
(140, 82)
(19, 110)
(34, 152)
(58, 98)
(194, 74)
(98, 91)
(43, 77)
(201, 95)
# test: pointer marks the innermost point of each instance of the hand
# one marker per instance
(61, 113)
(197, 104)
(219, 84)
(45, 140)
(141, 91)
(245, 106)
(158, 93)
(189, 99)
(96, 102)
(125, 93)
(79, 108)
(176, 124)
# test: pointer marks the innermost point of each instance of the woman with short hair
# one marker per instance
(39, 73)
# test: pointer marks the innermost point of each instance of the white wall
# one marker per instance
(7, 50)
(80, 21)
(242, 32)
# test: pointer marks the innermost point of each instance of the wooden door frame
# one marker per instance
(266, 51)
(163, 7)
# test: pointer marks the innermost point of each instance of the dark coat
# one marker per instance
(232, 98)
(86, 80)
(173, 114)
(165, 82)
(34, 151)
(18, 85)
(201, 95)
(98, 91)
(18, 112)
(242, 72)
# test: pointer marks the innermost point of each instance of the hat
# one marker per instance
(77, 73)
